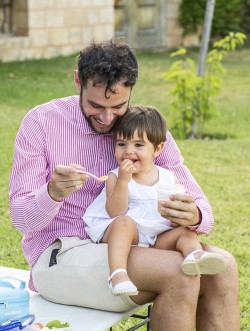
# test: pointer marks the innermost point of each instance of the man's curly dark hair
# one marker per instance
(109, 63)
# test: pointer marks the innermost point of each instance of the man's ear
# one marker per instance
(159, 149)
(77, 82)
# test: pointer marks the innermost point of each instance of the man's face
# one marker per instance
(100, 110)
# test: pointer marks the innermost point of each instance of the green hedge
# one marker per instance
(233, 15)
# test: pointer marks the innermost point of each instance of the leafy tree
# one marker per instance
(192, 94)
(233, 15)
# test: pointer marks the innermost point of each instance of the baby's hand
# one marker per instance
(126, 169)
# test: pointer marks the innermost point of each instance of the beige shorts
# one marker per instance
(79, 277)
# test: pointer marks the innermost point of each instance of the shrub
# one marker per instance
(233, 15)
(192, 94)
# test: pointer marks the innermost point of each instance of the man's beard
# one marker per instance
(93, 127)
(88, 119)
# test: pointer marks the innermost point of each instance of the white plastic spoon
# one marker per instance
(99, 179)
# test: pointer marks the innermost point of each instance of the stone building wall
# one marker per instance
(44, 29)
(174, 36)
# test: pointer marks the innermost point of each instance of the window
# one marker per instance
(5, 16)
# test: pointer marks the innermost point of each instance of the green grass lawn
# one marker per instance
(221, 166)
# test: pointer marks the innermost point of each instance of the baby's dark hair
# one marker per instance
(143, 119)
(109, 63)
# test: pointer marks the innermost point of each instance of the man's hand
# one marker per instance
(65, 181)
(181, 210)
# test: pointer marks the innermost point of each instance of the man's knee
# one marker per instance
(183, 286)
(229, 278)
(222, 283)
(232, 267)
(231, 262)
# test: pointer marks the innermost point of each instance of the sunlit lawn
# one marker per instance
(221, 166)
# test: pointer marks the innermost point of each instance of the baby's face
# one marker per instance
(140, 151)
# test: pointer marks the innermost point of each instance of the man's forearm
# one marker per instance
(206, 220)
(34, 211)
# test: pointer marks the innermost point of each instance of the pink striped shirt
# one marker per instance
(57, 133)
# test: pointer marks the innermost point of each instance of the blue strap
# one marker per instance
(5, 281)
(17, 324)
(6, 284)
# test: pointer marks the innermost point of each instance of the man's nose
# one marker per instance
(107, 116)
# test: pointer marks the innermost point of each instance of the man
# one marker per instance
(48, 198)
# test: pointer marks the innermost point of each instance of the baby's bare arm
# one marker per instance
(117, 189)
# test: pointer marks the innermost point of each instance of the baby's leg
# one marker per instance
(120, 235)
(178, 239)
(196, 261)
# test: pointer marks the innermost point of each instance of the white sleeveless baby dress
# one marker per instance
(142, 208)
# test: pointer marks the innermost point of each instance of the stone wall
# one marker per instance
(174, 35)
(49, 28)
(44, 29)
